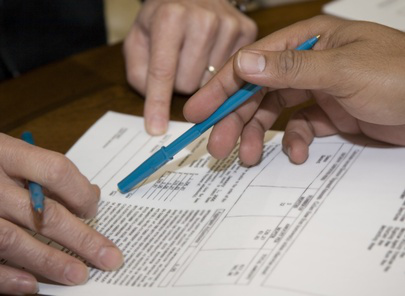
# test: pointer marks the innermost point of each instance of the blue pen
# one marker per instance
(165, 154)
(36, 194)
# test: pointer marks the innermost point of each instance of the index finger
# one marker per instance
(167, 35)
(227, 82)
(53, 171)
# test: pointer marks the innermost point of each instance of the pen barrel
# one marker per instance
(147, 168)
(181, 142)
(308, 44)
(198, 129)
(37, 196)
(229, 105)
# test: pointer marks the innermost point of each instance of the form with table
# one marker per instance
(334, 226)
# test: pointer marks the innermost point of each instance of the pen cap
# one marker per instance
(146, 169)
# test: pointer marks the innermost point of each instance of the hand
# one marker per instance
(355, 73)
(171, 44)
(64, 187)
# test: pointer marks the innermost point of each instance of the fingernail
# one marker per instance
(156, 126)
(96, 189)
(111, 258)
(76, 273)
(91, 213)
(251, 62)
(25, 285)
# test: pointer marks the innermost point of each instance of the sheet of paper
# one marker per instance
(332, 226)
(387, 12)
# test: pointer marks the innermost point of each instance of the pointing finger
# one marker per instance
(166, 41)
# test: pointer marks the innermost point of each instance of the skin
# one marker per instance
(68, 195)
(355, 74)
(171, 44)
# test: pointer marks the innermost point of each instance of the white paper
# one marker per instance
(387, 12)
(332, 226)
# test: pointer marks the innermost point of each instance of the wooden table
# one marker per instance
(60, 101)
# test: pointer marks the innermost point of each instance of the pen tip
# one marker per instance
(39, 210)
(318, 36)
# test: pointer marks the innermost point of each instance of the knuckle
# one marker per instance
(161, 73)
(81, 204)
(208, 23)
(251, 28)
(299, 116)
(152, 105)
(53, 218)
(57, 169)
(218, 86)
(170, 11)
(231, 25)
(87, 242)
(257, 125)
(301, 124)
(289, 64)
(286, 62)
(8, 239)
(44, 262)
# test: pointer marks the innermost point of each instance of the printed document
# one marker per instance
(386, 12)
(334, 225)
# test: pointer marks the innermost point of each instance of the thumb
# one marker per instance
(287, 69)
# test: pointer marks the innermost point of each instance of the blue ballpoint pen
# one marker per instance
(165, 154)
(35, 190)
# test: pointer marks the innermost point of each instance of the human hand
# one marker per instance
(65, 188)
(171, 44)
(355, 73)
